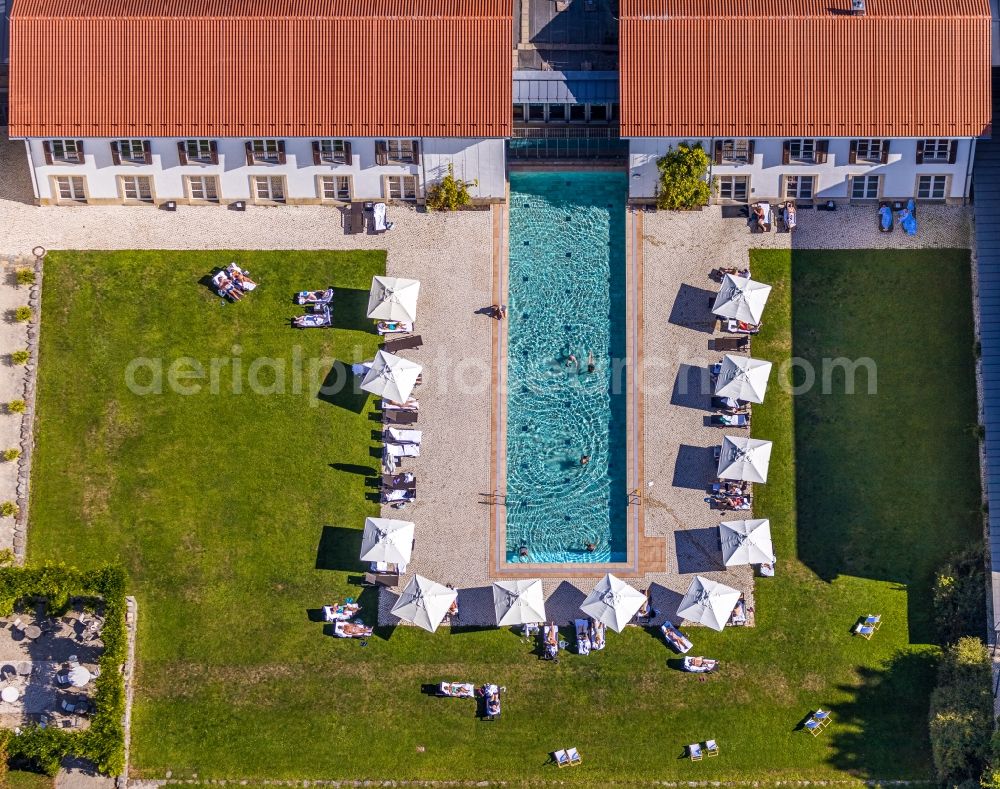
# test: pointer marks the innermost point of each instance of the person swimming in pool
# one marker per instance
(584, 460)
(591, 366)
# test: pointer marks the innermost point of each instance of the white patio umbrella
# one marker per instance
(518, 602)
(393, 299)
(741, 298)
(742, 378)
(746, 542)
(79, 676)
(744, 459)
(613, 602)
(424, 603)
(387, 540)
(708, 603)
(391, 376)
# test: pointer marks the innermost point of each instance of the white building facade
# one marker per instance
(817, 170)
(267, 171)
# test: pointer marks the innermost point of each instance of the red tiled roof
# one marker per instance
(236, 68)
(704, 68)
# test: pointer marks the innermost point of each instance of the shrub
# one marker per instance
(22, 313)
(20, 357)
(960, 597)
(8, 509)
(683, 173)
(25, 276)
(961, 715)
(44, 748)
(449, 194)
(17, 407)
(11, 454)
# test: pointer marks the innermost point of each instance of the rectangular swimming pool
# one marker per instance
(567, 498)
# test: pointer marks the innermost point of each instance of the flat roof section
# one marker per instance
(565, 87)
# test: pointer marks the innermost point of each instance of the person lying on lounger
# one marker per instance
(790, 216)
(227, 287)
(240, 277)
(315, 296)
(493, 705)
(353, 629)
(597, 634)
(885, 218)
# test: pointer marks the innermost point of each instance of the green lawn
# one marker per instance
(238, 515)
(21, 780)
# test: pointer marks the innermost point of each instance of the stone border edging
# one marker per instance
(131, 615)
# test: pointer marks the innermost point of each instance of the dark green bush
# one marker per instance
(961, 716)
(683, 177)
(960, 597)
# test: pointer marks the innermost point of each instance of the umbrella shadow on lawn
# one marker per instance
(350, 310)
(698, 551)
(694, 467)
(341, 388)
(338, 549)
(692, 309)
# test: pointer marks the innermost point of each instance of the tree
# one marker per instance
(961, 716)
(683, 177)
(449, 194)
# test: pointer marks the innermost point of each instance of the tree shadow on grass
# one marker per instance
(884, 726)
(341, 388)
(339, 548)
(350, 310)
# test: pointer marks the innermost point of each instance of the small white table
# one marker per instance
(10, 694)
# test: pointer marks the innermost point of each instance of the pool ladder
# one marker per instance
(635, 497)
(495, 497)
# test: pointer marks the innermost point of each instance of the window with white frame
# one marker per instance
(71, 187)
(335, 187)
(400, 151)
(132, 151)
(736, 151)
(269, 187)
(137, 188)
(937, 150)
(734, 187)
(932, 187)
(401, 187)
(333, 151)
(799, 187)
(266, 151)
(865, 187)
(802, 151)
(868, 150)
(203, 187)
(199, 151)
(65, 151)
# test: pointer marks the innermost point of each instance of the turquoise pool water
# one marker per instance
(566, 298)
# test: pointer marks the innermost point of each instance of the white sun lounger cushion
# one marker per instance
(404, 436)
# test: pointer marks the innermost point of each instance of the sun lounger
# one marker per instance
(354, 219)
(738, 617)
(399, 481)
(387, 580)
(885, 219)
(729, 420)
(340, 613)
(551, 650)
(720, 502)
(734, 326)
(399, 417)
(393, 327)
(728, 404)
(398, 497)
(711, 748)
(676, 638)
(729, 344)
(224, 286)
(694, 752)
(380, 222)
(574, 756)
(814, 727)
(351, 630)
(457, 690)
(315, 296)
(597, 631)
(700, 665)
(402, 450)
(719, 274)
(863, 630)
(561, 758)
(874, 621)
(822, 716)
(320, 318)
(582, 637)
(410, 405)
(403, 344)
(400, 435)
(491, 693)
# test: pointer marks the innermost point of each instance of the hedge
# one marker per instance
(960, 597)
(103, 743)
